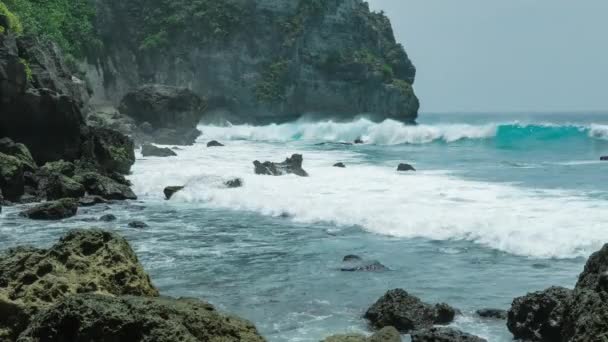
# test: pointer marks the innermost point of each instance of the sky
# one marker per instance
(505, 55)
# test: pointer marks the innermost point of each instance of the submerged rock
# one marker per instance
(92, 317)
(214, 143)
(354, 263)
(171, 190)
(153, 151)
(33, 279)
(339, 165)
(54, 210)
(405, 167)
(234, 183)
(539, 316)
(107, 218)
(138, 224)
(444, 335)
(387, 334)
(89, 201)
(290, 165)
(403, 311)
(492, 313)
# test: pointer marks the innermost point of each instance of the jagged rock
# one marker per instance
(234, 183)
(387, 334)
(110, 150)
(594, 271)
(153, 151)
(60, 166)
(107, 218)
(91, 317)
(12, 182)
(604, 158)
(33, 279)
(358, 141)
(54, 186)
(19, 151)
(214, 143)
(89, 201)
(96, 184)
(53, 210)
(444, 335)
(290, 165)
(492, 313)
(171, 190)
(403, 311)
(444, 314)
(354, 263)
(405, 167)
(539, 316)
(138, 224)
(339, 165)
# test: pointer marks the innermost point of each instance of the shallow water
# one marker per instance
(500, 205)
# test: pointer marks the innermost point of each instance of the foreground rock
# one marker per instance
(388, 334)
(405, 312)
(354, 263)
(153, 151)
(53, 210)
(33, 279)
(290, 165)
(171, 190)
(405, 167)
(444, 335)
(92, 317)
(492, 313)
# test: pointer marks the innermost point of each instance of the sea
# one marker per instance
(499, 205)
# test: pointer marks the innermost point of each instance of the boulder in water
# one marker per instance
(234, 183)
(492, 313)
(354, 263)
(138, 224)
(33, 279)
(387, 334)
(290, 165)
(358, 141)
(214, 143)
(89, 201)
(171, 190)
(339, 165)
(444, 313)
(107, 218)
(405, 167)
(54, 186)
(403, 311)
(53, 210)
(12, 183)
(153, 151)
(107, 188)
(604, 158)
(444, 335)
(93, 317)
(19, 151)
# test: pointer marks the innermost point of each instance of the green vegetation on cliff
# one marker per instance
(271, 88)
(14, 24)
(67, 22)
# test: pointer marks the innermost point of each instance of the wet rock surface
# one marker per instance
(53, 210)
(492, 313)
(405, 167)
(444, 335)
(214, 143)
(387, 334)
(171, 190)
(153, 151)
(291, 165)
(354, 263)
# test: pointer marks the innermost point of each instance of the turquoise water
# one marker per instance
(500, 205)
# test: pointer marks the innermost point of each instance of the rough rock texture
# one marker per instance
(12, 182)
(171, 190)
(354, 263)
(153, 151)
(234, 183)
(258, 60)
(110, 150)
(405, 167)
(82, 261)
(444, 335)
(290, 165)
(492, 313)
(19, 151)
(54, 186)
(107, 188)
(90, 317)
(539, 316)
(53, 210)
(387, 334)
(403, 311)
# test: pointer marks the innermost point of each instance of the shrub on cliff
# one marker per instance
(14, 24)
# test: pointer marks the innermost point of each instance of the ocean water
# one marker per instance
(501, 204)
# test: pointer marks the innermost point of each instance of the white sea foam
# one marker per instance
(598, 131)
(431, 205)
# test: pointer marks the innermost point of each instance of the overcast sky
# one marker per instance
(505, 55)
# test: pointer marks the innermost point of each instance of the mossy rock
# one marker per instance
(83, 261)
(60, 166)
(19, 151)
(108, 188)
(11, 177)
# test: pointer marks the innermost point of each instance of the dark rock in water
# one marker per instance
(403, 311)
(594, 273)
(444, 314)
(89, 201)
(405, 167)
(92, 317)
(339, 165)
(234, 183)
(492, 313)
(138, 224)
(55, 186)
(354, 263)
(33, 279)
(107, 218)
(19, 151)
(214, 143)
(54, 210)
(12, 183)
(110, 150)
(387, 334)
(604, 158)
(290, 165)
(539, 316)
(171, 190)
(96, 184)
(444, 335)
(153, 151)
(169, 136)
(60, 166)
(163, 106)
(358, 141)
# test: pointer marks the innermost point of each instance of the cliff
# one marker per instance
(255, 60)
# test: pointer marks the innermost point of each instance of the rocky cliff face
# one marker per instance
(257, 60)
